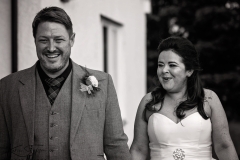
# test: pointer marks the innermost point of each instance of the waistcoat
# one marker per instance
(52, 123)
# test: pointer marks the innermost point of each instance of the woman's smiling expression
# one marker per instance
(172, 72)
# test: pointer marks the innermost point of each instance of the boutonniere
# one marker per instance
(89, 83)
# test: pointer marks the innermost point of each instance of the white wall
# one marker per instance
(5, 38)
(88, 50)
(27, 10)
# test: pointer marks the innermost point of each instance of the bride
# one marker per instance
(180, 120)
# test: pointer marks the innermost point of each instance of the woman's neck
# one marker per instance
(176, 96)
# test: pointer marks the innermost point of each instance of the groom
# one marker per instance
(57, 109)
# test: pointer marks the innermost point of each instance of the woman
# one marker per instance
(180, 120)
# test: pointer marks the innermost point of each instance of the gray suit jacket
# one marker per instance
(96, 124)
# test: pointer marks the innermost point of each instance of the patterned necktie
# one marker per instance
(54, 88)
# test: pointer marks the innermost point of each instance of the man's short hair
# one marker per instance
(52, 14)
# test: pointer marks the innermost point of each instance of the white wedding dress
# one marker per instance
(189, 139)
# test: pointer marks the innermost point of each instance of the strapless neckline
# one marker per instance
(172, 120)
(190, 138)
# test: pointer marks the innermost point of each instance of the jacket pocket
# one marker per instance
(93, 103)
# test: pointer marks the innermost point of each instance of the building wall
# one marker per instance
(5, 38)
(130, 69)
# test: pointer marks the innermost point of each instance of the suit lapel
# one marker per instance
(27, 99)
(78, 100)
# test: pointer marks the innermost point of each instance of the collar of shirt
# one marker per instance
(44, 76)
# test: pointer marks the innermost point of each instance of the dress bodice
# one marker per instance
(189, 139)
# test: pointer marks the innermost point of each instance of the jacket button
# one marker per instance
(53, 113)
(52, 138)
(52, 150)
(53, 125)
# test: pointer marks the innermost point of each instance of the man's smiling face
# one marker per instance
(53, 45)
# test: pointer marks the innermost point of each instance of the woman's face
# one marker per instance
(171, 72)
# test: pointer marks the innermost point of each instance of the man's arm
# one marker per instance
(4, 136)
(115, 140)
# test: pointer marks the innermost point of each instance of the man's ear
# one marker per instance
(72, 39)
(190, 72)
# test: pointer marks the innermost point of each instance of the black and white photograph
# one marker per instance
(119, 80)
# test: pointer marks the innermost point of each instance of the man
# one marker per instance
(51, 110)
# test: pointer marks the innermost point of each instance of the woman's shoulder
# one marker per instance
(146, 98)
(142, 106)
(211, 101)
(209, 94)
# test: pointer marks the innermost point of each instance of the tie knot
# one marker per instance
(54, 81)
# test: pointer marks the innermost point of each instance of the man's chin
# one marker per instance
(53, 68)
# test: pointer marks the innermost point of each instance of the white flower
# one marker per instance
(92, 80)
